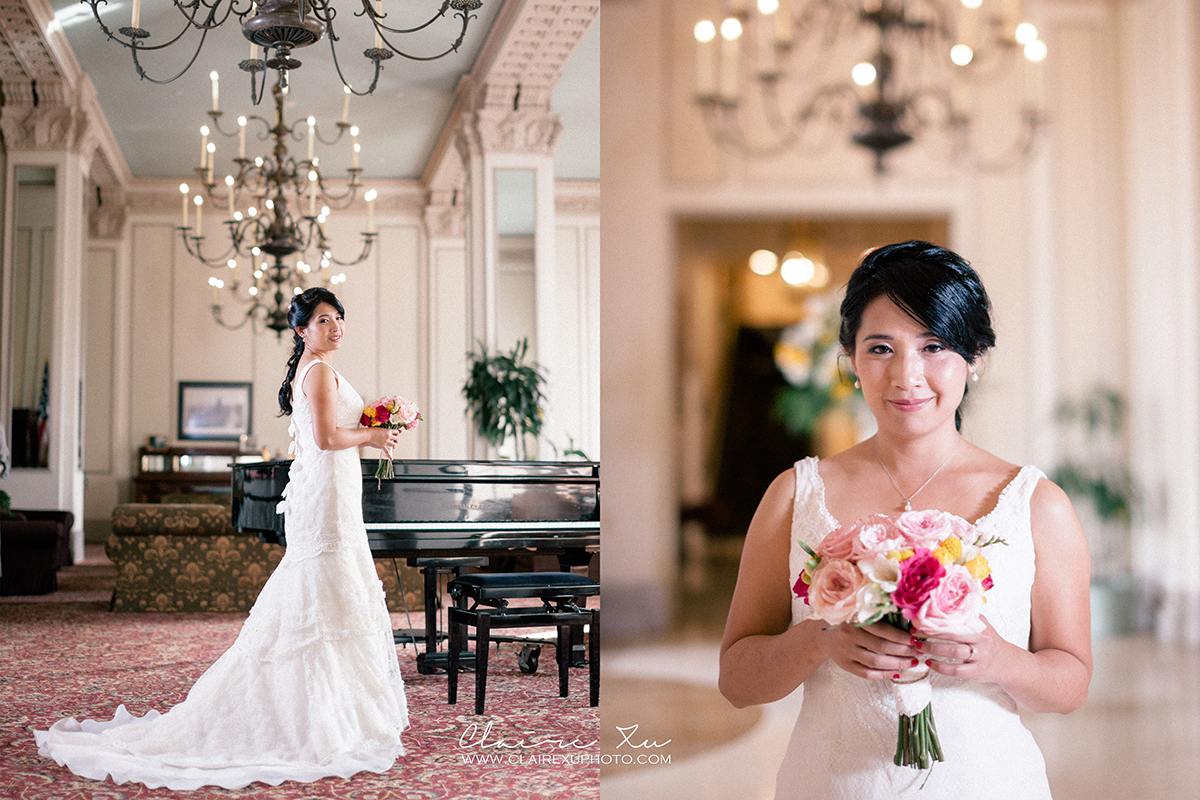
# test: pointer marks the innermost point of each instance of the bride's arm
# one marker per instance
(320, 387)
(1053, 675)
(763, 656)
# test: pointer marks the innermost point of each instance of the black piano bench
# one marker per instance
(490, 594)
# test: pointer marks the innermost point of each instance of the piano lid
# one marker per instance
(456, 494)
(481, 492)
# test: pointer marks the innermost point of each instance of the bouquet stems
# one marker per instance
(385, 470)
(917, 744)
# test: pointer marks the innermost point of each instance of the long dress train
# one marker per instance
(311, 687)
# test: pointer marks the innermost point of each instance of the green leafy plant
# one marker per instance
(5, 504)
(504, 395)
(1105, 483)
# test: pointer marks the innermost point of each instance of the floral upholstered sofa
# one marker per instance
(189, 557)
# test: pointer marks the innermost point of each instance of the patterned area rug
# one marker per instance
(77, 659)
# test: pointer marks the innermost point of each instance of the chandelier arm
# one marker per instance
(368, 243)
(209, 21)
(342, 127)
(464, 15)
(338, 68)
(215, 117)
(369, 12)
(246, 317)
(195, 247)
(137, 65)
(724, 128)
(332, 200)
(451, 49)
(1019, 149)
(939, 97)
(135, 34)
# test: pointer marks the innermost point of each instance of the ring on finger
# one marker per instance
(971, 657)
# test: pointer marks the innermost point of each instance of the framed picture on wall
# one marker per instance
(214, 410)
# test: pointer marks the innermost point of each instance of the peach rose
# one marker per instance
(834, 590)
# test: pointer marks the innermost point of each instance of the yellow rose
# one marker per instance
(369, 411)
(901, 555)
(953, 546)
(978, 567)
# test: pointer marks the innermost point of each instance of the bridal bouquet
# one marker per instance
(392, 411)
(923, 568)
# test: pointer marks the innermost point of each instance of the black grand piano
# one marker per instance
(451, 508)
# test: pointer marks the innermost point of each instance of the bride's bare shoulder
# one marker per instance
(847, 464)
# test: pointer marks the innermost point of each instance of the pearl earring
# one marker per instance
(974, 377)
(857, 383)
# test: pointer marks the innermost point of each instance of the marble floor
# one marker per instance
(1137, 738)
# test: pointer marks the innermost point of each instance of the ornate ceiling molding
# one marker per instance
(25, 54)
(49, 104)
(503, 105)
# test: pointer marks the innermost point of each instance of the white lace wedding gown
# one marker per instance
(310, 689)
(845, 738)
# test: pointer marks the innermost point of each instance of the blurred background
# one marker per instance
(744, 176)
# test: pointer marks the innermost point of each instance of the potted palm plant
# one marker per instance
(504, 396)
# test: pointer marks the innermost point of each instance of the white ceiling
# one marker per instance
(157, 126)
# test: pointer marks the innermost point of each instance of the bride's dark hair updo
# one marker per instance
(300, 313)
(931, 284)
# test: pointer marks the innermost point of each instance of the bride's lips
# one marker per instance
(915, 404)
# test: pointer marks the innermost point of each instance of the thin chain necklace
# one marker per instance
(908, 499)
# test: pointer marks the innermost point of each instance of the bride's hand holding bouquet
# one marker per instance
(920, 575)
(394, 413)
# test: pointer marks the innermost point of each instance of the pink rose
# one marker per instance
(834, 590)
(953, 606)
(926, 528)
(839, 543)
(919, 576)
(878, 536)
(407, 413)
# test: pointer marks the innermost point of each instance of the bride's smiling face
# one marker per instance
(324, 330)
(911, 380)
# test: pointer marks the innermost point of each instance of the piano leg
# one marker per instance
(594, 647)
(434, 660)
(483, 632)
(456, 637)
(562, 655)
(566, 561)
(431, 604)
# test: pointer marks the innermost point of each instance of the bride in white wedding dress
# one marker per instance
(915, 323)
(312, 686)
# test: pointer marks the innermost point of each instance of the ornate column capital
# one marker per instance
(43, 116)
(445, 214)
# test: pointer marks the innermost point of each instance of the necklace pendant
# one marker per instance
(907, 506)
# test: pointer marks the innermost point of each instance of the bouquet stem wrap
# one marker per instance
(917, 742)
